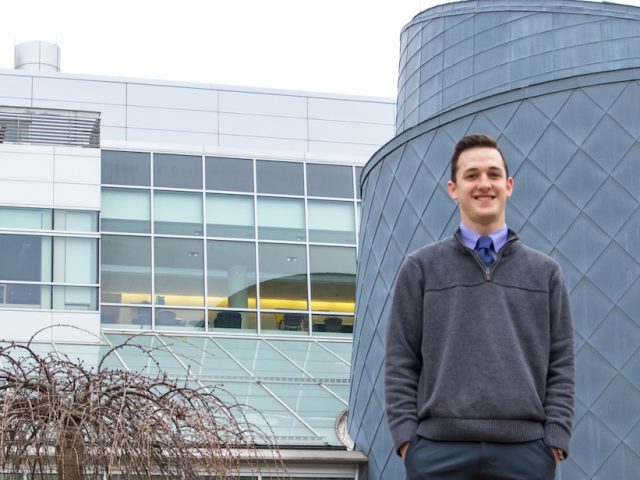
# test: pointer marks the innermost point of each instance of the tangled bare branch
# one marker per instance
(57, 415)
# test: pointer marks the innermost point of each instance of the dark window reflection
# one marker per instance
(25, 258)
(332, 324)
(358, 177)
(279, 177)
(230, 174)
(329, 181)
(232, 319)
(125, 168)
(178, 171)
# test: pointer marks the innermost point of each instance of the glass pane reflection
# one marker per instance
(126, 210)
(179, 319)
(126, 269)
(285, 322)
(34, 218)
(333, 278)
(231, 174)
(125, 317)
(331, 222)
(279, 177)
(178, 171)
(125, 168)
(283, 277)
(177, 213)
(25, 296)
(329, 181)
(281, 218)
(25, 258)
(179, 272)
(231, 274)
(230, 216)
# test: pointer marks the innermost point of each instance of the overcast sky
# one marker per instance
(337, 46)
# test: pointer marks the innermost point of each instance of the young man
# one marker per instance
(479, 374)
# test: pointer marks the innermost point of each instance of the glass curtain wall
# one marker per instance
(195, 243)
(48, 259)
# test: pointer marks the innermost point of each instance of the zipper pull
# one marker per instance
(487, 273)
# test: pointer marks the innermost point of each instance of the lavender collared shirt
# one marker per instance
(470, 237)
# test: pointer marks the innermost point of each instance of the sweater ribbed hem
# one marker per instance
(480, 430)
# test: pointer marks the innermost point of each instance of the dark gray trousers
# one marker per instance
(435, 460)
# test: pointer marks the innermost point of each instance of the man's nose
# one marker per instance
(484, 181)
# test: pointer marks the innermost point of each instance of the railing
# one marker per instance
(49, 126)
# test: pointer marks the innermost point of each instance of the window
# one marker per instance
(179, 277)
(331, 222)
(177, 213)
(329, 181)
(125, 168)
(230, 174)
(230, 216)
(177, 171)
(279, 177)
(281, 218)
(126, 210)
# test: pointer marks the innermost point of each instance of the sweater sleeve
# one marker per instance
(403, 361)
(558, 402)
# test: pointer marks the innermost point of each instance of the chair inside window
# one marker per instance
(227, 320)
(333, 324)
(292, 321)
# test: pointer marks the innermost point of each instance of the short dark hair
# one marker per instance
(474, 141)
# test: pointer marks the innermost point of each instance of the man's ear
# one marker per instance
(452, 188)
(509, 186)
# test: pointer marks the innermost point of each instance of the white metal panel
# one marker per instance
(93, 91)
(77, 169)
(89, 322)
(356, 149)
(27, 165)
(352, 110)
(24, 323)
(15, 86)
(350, 132)
(263, 104)
(172, 97)
(169, 137)
(172, 119)
(266, 143)
(76, 195)
(263, 126)
(38, 194)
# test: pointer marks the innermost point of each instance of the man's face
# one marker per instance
(482, 189)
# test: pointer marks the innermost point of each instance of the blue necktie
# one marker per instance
(484, 247)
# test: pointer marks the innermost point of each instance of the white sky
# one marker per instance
(337, 46)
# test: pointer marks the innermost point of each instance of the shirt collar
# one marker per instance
(470, 237)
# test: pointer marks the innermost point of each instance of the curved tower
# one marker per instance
(557, 83)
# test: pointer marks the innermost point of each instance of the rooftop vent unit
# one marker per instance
(37, 56)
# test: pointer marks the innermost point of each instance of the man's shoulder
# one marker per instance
(433, 250)
(536, 257)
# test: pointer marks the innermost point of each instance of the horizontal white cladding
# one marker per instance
(350, 132)
(263, 126)
(351, 110)
(25, 323)
(263, 104)
(172, 97)
(14, 86)
(197, 121)
(48, 88)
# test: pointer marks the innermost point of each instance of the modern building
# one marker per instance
(219, 222)
(557, 82)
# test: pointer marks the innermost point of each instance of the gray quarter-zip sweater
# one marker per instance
(478, 353)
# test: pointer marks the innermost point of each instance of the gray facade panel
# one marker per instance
(539, 41)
